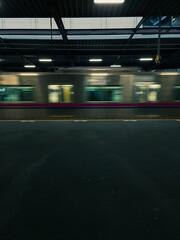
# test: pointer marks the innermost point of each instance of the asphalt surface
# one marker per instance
(90, 180)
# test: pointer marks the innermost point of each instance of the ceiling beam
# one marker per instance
(87, 46)
(132, 35)
(60, 25)
(137, 28)
(124, 31)
(145, 48)
(16, 51)
(64, 33)
(61, 28)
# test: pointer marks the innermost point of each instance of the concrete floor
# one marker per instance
(90, 180)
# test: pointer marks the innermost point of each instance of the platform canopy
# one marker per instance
(51, 34)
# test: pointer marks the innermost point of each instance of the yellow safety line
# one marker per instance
(61, 116)
(90, 120)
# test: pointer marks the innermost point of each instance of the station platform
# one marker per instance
(92, 180)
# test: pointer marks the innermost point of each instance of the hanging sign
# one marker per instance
(157, 59)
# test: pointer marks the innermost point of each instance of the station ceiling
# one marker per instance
(66, 51)
(87, 8)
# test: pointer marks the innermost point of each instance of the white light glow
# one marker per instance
(95, 60)
(29, 66)
(45, 60)
(115, 66)
(99, 74)
(28, 74)
(169, 73)
(146, 59)
(108, 1)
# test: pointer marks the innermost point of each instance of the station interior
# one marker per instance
(89, 119)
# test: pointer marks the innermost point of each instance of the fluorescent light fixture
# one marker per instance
(169, 73)
(28, 74)
(29, 66)
(146, 59)
(108, 1)
(95, 60)
(99, 74)
(45, 60)
(115, 66)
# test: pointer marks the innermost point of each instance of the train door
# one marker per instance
(61, 94)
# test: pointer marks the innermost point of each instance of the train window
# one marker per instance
(177, 93)
(60, 93)
(147, 92)
(16, 93)
(104, 94)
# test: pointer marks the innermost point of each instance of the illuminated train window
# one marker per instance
(60, 93)
(147, 92)
(16, 93)
(177, 93)
(104, 94)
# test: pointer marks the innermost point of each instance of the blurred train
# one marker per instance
(84, 93)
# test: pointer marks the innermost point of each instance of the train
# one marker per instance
(89, 93)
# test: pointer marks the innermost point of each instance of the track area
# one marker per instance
(90, 180)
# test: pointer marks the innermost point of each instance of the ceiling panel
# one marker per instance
(87, 8)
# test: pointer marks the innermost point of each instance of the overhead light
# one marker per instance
(45, 60)
(174, 19)
(99, 74)
(169, 73)
(115, 66)
(146, 59)
(28, 74)
(29, 66)
(95, 60)
(109, 1)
